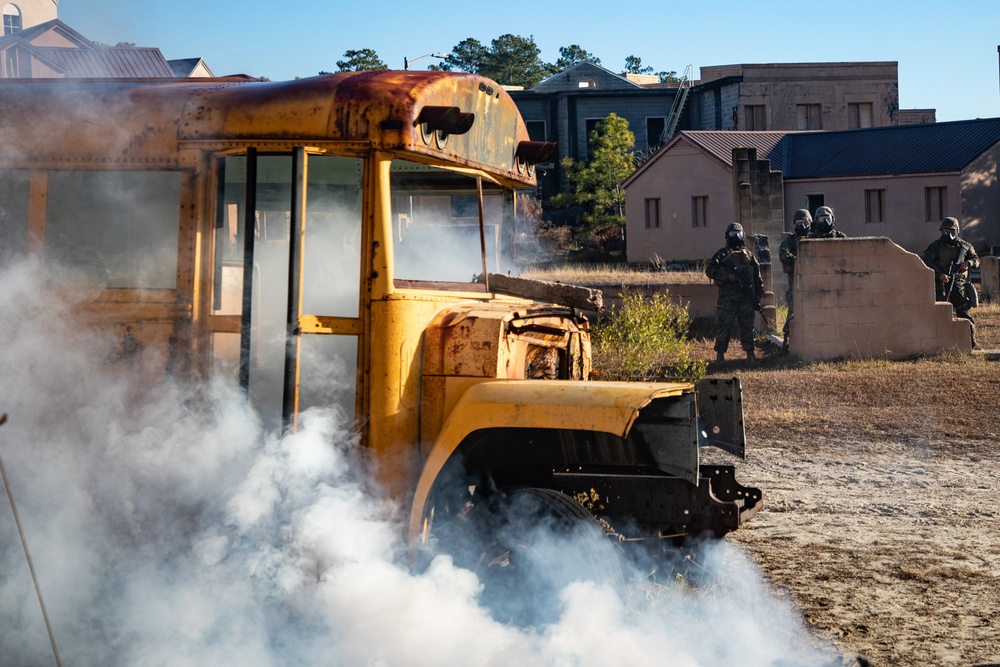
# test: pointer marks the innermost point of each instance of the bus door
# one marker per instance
(300, 304)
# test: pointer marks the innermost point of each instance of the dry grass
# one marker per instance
(950, 397)
(610, 274)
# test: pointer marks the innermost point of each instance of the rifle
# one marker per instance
(744, 282)
(953, 271)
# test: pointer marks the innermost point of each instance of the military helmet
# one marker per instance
(949, 224)
(734, 227)
(802, 214)
(824, 210)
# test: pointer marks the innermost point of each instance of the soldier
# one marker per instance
(823, 225)
(787, 252)
(737, 273)
(943, 256)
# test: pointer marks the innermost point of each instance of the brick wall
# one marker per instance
(868, 298)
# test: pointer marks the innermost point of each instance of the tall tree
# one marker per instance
(571, 55)
(633, 65)
(360, 60)
(510, 60)
(467, 56)
(597, 184)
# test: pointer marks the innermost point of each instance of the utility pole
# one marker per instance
(407, 61)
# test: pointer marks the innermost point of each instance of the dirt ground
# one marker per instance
(889, 548)
(881, 520)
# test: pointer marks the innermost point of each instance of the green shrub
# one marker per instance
(646, 338)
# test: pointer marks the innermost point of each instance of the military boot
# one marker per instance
(751, 356)
(720, 357)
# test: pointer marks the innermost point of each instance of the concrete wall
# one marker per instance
(700, 298)
(989, 271)
(980, 201)
(868, 298)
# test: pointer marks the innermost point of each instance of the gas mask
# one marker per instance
(824, 224)
(735, 240)
(803, 228)
(949, 237)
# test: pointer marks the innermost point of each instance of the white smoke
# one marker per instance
(167, 527)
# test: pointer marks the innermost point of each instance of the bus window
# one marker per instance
(115, 229)
(332, 248)
(332, 283)
(435, 218)
(13, 213)
(331, 276)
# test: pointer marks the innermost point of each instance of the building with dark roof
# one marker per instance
(896, 181)
(54, 50)
(750, 97)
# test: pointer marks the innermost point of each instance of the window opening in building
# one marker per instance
(652, 213)
(874, 205)
(859, 115)
(591, 126)
(11, 19)
(754, 117)
(654, 130)
(808, 117)
(935, 204)
(813, 202)
(699, 211)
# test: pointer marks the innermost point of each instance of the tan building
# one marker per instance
(796, 96)
(897, 182)
(50, 49)
(27, 13)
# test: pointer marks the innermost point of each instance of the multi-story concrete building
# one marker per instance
(772, 97)
(795, 96)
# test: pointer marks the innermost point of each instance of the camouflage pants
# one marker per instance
(730, 312)
(960, 302)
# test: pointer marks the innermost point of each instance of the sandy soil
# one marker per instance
(890, 549)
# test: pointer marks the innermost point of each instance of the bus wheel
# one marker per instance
(531, 546)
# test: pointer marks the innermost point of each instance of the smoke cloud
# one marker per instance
(169, 527)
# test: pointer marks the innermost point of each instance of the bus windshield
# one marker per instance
(435, 218)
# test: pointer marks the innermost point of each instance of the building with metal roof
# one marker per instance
(896, 181)
(52, 49)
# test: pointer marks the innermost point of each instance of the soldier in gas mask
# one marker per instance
(951, 258)
(736, 272)
(822, 227)
(787, 253)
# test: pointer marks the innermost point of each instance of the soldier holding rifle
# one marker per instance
(951, 258)
(736, 272)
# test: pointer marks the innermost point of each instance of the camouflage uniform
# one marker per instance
(789, 249)
(939, 256)
(734, 305)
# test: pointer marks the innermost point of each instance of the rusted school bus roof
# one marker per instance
(129, 122)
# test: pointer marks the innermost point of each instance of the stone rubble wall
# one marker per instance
(868, 298)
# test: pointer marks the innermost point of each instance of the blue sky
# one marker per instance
(947, 51)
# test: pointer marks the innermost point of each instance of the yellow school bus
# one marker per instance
(339, 241)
